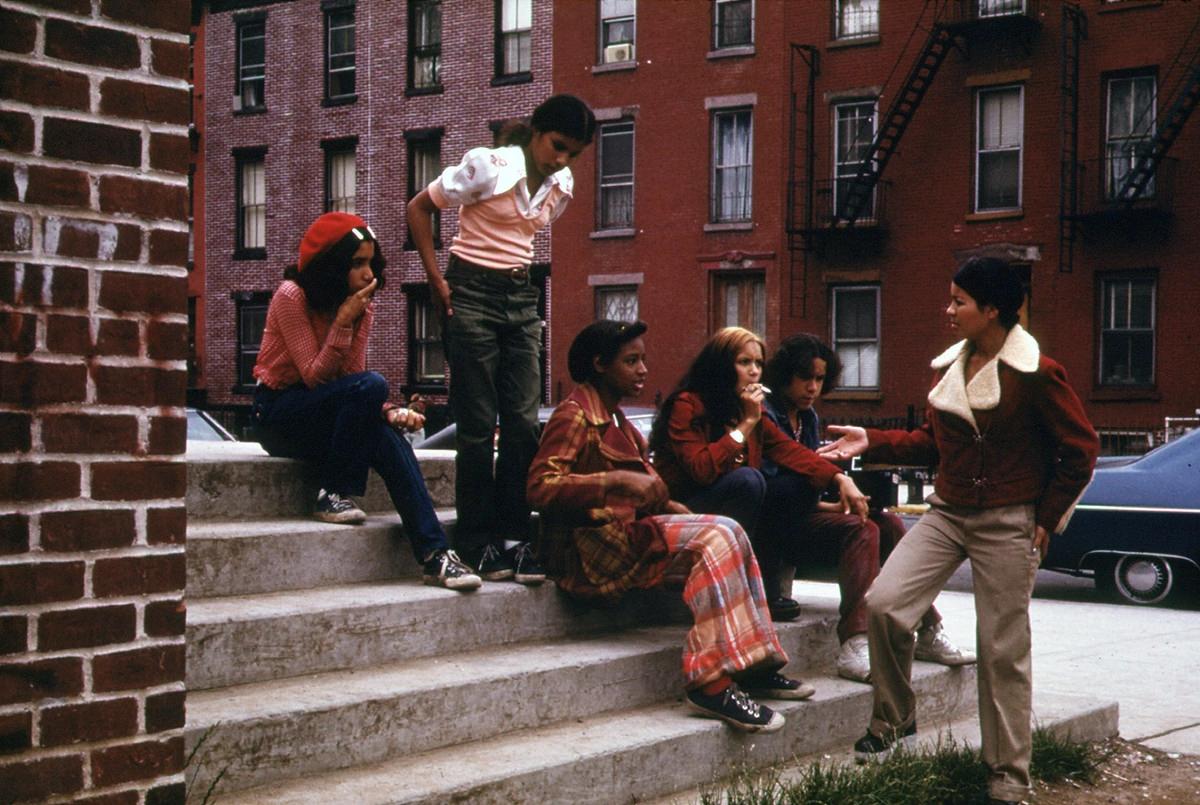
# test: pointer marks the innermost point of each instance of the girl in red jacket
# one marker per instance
(1014, 451)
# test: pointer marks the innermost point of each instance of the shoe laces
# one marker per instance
(450, 564)
(336, 502)
(523, 554)
(488, 554)
(743, 702)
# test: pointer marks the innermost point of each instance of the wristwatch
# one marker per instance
(737, 436)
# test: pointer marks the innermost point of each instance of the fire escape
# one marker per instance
(1074, 30)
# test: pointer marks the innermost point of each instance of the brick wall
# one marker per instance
(93, 339)
(294, 125)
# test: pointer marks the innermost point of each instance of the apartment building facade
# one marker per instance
(354, 105)
(728, 186)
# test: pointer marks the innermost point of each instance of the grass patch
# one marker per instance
(950, 773)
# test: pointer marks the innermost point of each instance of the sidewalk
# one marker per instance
(1142, 657)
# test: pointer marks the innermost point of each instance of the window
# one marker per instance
(425, 44)
(424, 165)
(618, 24)
(732, 160)
(617, 302)
(856, 335)
(741, 301)
(251, 190)
(733, 23)
(427, 358)
(251, 320)
(514, 49)
(1127, 332)
(251, 63)
(1131, 125)
(857, 18)
(854, 131)
(340, 177)
(339, 53)
(1000, 8)
(998, 151)
(615, 161)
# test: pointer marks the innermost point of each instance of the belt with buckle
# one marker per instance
(516, 274)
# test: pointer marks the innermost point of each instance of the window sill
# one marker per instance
(416, 92)
(614, 67)
(730, 52)
(344, 100)
(604, 234)
(1127, 5)
(249, 254)
(997, 215)
(509, 80)
(730, 226)
(852, 42)
(246, 111)
(847, 395)
(1134, 394)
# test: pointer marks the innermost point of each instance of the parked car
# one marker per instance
(1137, 527)
(641, 417)
(201, 427)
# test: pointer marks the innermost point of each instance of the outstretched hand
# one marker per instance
(853, 442)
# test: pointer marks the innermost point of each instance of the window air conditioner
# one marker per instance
(616, 53)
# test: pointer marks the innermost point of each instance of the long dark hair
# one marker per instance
(794, 358)
(325, 280)
(565, 114)
(713, 378)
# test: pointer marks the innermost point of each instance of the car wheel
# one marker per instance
(1139, 579)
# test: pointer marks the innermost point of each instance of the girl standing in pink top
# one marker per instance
(493, 332)
(315, 399)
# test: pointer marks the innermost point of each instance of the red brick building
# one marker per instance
(315, 105)
(93, 340)
(728, 187)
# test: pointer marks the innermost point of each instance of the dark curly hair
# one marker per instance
(325, 279)
(794, 358)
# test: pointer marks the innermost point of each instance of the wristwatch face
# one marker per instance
(738, 436)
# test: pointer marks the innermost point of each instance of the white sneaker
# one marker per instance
(854, 659)
(934, 646)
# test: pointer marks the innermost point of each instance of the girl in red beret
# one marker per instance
(316, 401)
(504, 196)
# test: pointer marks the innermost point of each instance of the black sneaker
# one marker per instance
(784, 608)
(490, 563)
(774, 685)
(443, 568)
(526, 568)
(333, 508)
(872, 748)
(736, 709)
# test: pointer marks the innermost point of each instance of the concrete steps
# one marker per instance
(321, 669)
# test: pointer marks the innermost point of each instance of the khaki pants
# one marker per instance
(998, 542)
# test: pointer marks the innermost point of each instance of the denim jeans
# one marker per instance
(338, 426)
(738, 495)
(493, 344)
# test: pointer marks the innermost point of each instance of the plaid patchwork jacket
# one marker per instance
(594, 550)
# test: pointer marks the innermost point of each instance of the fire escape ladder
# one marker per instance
(800, 199)
(1168, 131)
(1074, 29)
(858, 191)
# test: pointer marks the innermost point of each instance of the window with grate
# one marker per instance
(856, 19)
(733, 23)
(425, 44)
(617, 302)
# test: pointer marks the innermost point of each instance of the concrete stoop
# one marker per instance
(321, 669)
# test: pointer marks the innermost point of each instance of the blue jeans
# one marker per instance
(493, 344)
(738, 494)
(338, 426)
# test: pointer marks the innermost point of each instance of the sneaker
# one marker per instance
(872, 749)
(934, 646)
(854, 659)
(784, 608)
(736, 709)
(491, 564)
(774, 685)
(333, 508)
(443, 568)
(526, 568)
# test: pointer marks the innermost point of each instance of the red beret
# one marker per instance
(326, 232)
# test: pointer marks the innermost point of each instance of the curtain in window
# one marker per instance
(999, 149)
(856, 337)
(427, 43)
(732, 185)
(735, 23)
(617, 304)
(858, 18)
(252, 67)
(616, 176)
(254, 206)
(1131, 125)
(342, 182)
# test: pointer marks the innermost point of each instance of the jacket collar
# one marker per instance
(954, 395)
(620, 441)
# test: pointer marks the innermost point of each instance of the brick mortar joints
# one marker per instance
(95, 20)
(96, 72)
(98, 170)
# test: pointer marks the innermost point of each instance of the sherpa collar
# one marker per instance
(955, 396)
